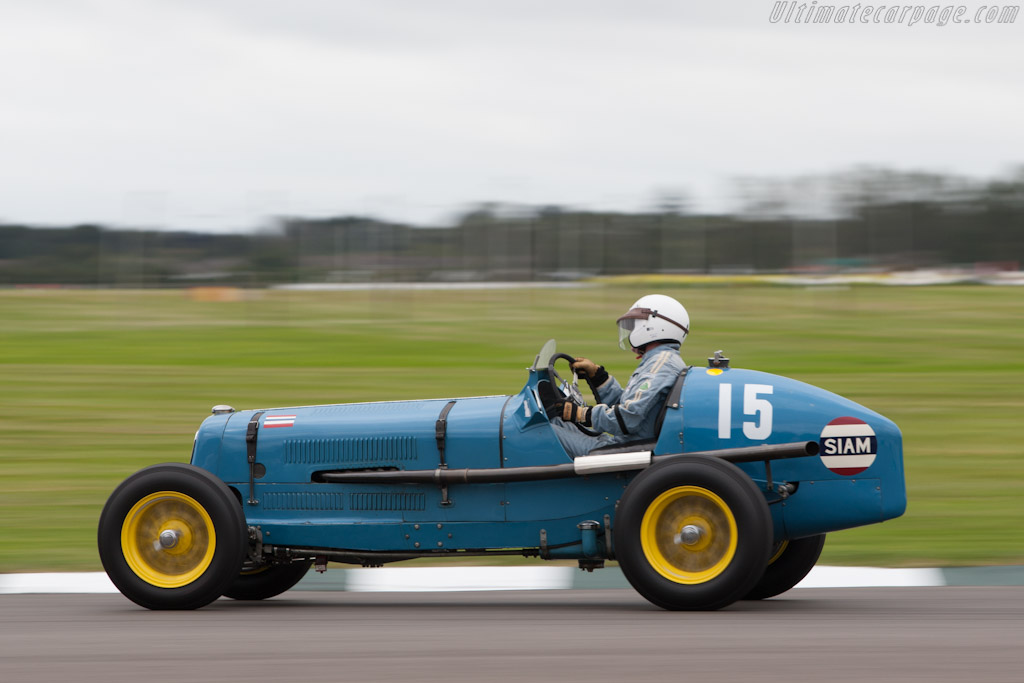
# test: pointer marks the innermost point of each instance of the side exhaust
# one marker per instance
(582, 466)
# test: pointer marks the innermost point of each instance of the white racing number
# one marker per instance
(760, 427)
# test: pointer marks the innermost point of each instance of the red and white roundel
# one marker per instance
(848, 445)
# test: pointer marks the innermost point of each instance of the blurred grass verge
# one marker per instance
(96, 384)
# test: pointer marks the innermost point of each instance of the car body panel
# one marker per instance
(719, 408)
(826, 499)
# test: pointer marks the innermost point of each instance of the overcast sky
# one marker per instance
(218, 114)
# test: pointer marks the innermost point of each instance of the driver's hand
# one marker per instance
(595, 374)
(569, 412)
(584, 367)
(574, 413)
(557, 406)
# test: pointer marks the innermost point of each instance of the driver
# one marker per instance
(654, 327)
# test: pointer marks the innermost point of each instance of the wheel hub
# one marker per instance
(690, 535)
(169, 538)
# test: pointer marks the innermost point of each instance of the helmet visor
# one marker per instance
(625, 329)
(627, 323)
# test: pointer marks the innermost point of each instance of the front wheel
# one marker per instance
(172, 536)
(693, 533)
(789, 564)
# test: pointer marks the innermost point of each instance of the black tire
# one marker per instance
(789, 564)
(172, 536)
(693, 533)
(267, 581)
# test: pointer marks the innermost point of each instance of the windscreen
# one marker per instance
(549, 349)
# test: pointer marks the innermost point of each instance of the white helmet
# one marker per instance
(654, 317)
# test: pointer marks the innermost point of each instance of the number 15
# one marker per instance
(758, 429)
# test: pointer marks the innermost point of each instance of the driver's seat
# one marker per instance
(671, 401)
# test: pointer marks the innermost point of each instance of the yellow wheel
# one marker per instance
(168, 539)
(777, 551)
(172, 536)
(692, 533)
(689, 535)
(789, 564)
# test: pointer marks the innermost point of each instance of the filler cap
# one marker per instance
(718, 360)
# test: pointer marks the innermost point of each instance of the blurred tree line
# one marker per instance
(855, 220)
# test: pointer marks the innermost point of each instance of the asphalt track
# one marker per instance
(958, 634)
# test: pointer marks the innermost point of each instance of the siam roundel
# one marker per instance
(848, 445)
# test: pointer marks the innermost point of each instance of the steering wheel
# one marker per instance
(571, 390)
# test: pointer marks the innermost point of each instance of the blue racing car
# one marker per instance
(731, 501)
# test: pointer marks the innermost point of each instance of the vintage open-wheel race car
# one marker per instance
(731, 501)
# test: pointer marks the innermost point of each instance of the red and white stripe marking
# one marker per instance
(278, 421)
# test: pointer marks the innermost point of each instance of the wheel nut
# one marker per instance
(168, 539)
(690, 534)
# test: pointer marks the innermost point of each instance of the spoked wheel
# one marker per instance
(267, 581)
(791, 561)
(692, 534)
(172, 536)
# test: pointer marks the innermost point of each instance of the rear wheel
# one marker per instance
(172, 536)
(789, 564)
(692, 533)
(267, 581)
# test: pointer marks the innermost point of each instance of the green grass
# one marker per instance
(97, 384)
